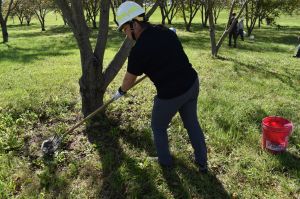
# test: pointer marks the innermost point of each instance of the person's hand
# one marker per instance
(119, 93)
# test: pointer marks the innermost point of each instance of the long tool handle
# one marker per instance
(101, 108)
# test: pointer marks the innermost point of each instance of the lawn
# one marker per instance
(39, 96)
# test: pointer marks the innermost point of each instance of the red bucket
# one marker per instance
(275, 133)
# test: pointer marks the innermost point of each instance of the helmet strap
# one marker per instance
(132, 30)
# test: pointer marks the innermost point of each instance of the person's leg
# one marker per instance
(162, 114)
(298, 52)
(188, 113)
(230, 36)
(234, 39)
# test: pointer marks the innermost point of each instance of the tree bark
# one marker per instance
(41, 15)
(114, 12)
(93, 82)
(212, 29)
(4, 30)
(3, 21)
(215, 47)
(163, 16)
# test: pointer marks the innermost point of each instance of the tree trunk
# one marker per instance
(163, 17)
(114, 12)
(4, 30)
(43, 25)
(188, 27)
(3, 20)
(94, 81)
(169, 21)
(212, 30)
(21, 20)
(90, 84)
(94, 24)
(215, 47)
(202, 14)
(206, 19)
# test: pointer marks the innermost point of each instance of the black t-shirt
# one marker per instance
(234, 29)
(159, 54)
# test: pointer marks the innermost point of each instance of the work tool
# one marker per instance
(49, 146)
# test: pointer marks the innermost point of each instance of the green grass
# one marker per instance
(39, 95)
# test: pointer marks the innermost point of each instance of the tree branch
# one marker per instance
(103, 31)
(230, 28)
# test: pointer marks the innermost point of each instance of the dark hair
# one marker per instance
(233, 14)
(144, 24)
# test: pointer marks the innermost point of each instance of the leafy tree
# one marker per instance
(92, 8)
(5, 8)
(114, 4)
(19, 10)
(258, 10)
(41, 9)
(216, 46)
(23, 9)
(218, 6)
(94, 80)
(169, 10)
(189, 10)
(204, 12)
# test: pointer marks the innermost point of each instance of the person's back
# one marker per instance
(159, 54)
(234, 31)
(240, 27)
(235, 26)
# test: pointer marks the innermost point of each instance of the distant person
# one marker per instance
(240, 27)
(298, 49)
(233, 33)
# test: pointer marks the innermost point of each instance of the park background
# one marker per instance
(39, 96)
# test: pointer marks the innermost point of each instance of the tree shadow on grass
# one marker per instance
(28, 54)
(124, 177)
(241, 68)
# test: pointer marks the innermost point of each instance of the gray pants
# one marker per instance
(162, 114)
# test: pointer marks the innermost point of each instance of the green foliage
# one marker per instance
(39, 97)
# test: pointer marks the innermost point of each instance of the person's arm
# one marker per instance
(128, 81)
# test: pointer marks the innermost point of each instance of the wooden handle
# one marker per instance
(101, 108)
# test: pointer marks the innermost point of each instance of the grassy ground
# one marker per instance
(39, 96)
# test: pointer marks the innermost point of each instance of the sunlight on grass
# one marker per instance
(39, 95)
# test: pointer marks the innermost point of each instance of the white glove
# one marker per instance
(119, 93)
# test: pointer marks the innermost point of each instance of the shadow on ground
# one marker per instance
(288, 78)
(290, 163)
(123, 175)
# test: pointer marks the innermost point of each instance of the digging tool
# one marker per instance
(50, 145)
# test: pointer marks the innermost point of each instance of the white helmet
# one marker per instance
(128, 11)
